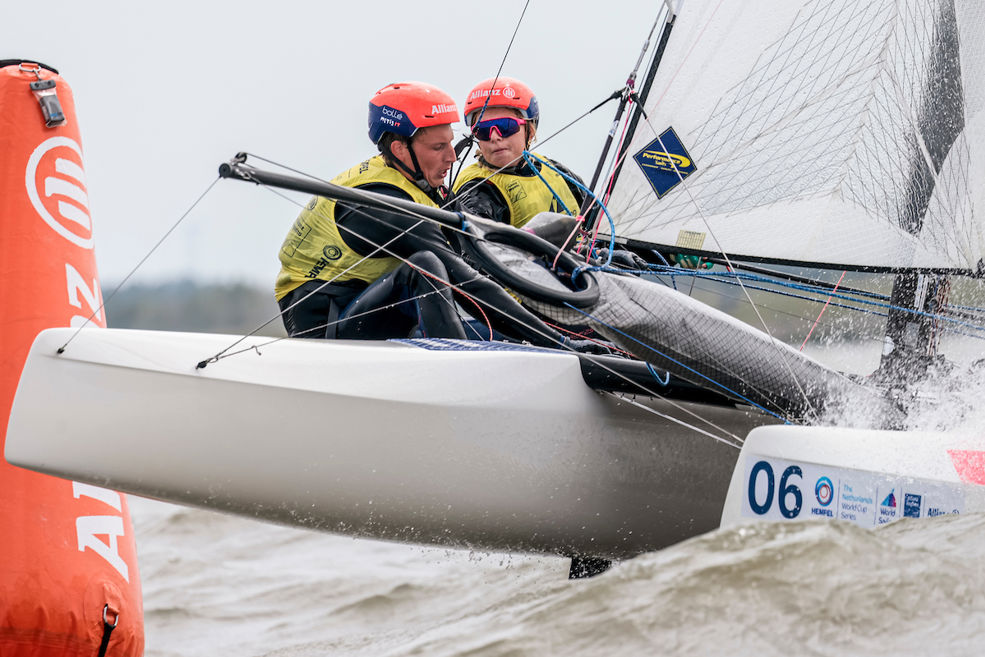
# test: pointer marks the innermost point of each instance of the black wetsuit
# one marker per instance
(482, 198)
(375, 311)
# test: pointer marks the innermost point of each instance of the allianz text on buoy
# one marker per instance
(68, 564)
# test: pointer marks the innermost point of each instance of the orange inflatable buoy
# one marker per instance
(68, 563)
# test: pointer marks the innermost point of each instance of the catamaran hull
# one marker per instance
(866, 477)
(499, 451)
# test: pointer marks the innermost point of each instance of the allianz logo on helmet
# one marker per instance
(441, 109)
(482, 93)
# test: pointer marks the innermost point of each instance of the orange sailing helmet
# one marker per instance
(502, 92)
(403, 108)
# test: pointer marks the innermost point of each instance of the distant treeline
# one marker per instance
(234, 308)
(238, 308)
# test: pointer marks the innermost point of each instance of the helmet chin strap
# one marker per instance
(416, 174)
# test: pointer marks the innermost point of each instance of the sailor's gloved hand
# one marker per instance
(587, 346)
(554, 227)
(623, 258)
(690, 261)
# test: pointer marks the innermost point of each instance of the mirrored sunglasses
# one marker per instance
(504, 127)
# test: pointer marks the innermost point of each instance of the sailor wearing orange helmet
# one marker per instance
(503, 185)
(364, 273)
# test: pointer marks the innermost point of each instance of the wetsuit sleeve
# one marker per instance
(378, 233)
(404, 234)
(482, 199)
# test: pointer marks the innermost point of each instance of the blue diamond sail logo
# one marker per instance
(665, 162)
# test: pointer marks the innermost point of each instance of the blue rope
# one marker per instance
(656, 376)
(673, 277)
(612, 224)
(819, 289)
(729, 279)
(662, 258)
(968, 308)
(530, 163)
(677, 362)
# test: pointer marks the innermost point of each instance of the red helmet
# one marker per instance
(405, 107)
(502, 92)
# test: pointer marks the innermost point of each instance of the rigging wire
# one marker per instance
(568, 125)
(376, 250)
(140, 263)
(708, 226)
(544, 141)
(589, 194)
(731, 279)
(626, 96)
(680, 364)
(725, 279)
(633, 402)
(718, 244)
(256, 347)
(499, 71)
(606, 195)
(528, 158)
(227, 352)
(513, 162)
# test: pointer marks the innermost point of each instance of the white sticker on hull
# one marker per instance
(784, 490)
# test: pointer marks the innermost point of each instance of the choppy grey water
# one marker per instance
(221, 585)
(218, 585)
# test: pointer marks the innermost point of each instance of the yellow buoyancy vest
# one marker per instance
(525, 195)
(314, 248)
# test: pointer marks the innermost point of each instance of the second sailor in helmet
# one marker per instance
(504, 185)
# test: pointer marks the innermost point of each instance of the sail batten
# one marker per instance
(822, 132)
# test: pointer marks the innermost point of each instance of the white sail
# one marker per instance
(821, 131)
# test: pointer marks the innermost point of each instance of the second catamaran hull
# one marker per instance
(501, 451)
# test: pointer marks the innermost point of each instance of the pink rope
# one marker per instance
(612, 178)
(822, 311)
(581, 220)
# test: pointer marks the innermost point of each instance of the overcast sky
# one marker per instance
(165, 92)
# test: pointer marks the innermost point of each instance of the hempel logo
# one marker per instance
(56, 187)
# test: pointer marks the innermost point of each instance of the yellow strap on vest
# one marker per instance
(314, 248)
(525, 195)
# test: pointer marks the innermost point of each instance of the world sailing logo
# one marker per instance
(665, 162)
(56, 188)
(887, 508)
(890, 500)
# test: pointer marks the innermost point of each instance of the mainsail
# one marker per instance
(839, 133)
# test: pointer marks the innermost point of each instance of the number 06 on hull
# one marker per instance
(865, 477)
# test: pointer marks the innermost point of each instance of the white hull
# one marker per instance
(491, 450)
(862, 476)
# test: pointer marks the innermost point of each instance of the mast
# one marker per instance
(911, 339)
(625, 95)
